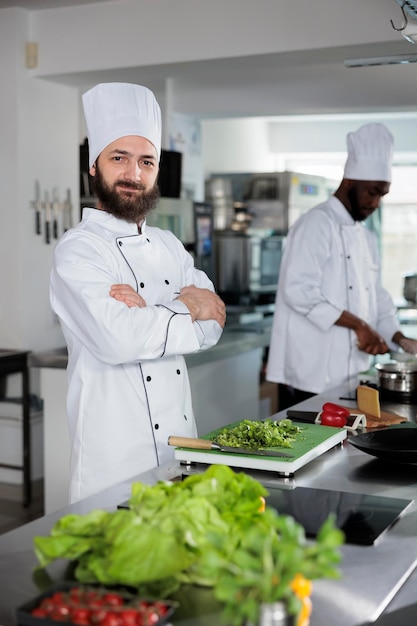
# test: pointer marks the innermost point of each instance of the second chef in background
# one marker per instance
(130, 303)
(331, 310)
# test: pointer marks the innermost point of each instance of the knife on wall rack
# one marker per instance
(47, 218)
(38, 208)
(55, 211)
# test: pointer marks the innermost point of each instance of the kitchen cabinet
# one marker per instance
(11, 362)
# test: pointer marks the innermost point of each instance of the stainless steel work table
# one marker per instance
(371, 575)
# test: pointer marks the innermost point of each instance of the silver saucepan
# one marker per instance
(400, 377)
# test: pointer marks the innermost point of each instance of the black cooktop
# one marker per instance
(362, 518)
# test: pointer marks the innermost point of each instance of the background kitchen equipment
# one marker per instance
(247, 266)
(398, 380)
(192, 223)
(274, 199)
(410, 287)
(52, 216)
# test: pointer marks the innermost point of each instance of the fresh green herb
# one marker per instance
(259, 434)
(208, 530)
(262, 564)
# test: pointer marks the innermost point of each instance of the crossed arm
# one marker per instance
(203, 304)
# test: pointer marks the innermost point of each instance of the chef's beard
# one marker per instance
(358, 213)
(132, 208)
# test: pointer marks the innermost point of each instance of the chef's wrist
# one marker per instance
(399, 338)
(191, 306)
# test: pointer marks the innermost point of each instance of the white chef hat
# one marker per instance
(114, 110)
(370, 151)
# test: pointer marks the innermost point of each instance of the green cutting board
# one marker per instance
(313, 441)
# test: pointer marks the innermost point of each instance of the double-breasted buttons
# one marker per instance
(156, 426)
(149, 378)
(141, 285)
(166, 281)
(178, 372)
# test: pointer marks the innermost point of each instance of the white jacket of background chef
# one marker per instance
(128, 387)
(330, 264)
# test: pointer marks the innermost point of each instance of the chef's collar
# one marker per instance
(107, 219)
(339, 209)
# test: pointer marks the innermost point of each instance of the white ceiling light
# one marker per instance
(382, 60)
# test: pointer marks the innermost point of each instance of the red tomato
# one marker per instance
(161, 607)
(150, 617)
(329, 407)
(129, 617)
(97, 615)
(331, 419)
(60, 613)
(113, 599)
(80, 616)
(58, 597)
(111, 619)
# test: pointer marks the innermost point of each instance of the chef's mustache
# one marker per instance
(131, 185)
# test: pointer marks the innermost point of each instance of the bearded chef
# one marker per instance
(331, 310)
(130, 303)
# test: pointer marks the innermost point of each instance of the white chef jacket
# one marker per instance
(330, 264)
(128, 386)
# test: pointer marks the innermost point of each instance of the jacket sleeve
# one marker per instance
(82, 273)
(303, 280)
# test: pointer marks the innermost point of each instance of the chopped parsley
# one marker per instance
(259, 434)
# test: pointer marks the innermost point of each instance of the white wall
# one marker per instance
(39, 131)
(277, 144)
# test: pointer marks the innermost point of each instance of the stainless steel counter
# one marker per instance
(372, 576)
(235, 339)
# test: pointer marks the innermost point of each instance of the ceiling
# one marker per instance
(34, 5)
(288, 83)
(303, 82)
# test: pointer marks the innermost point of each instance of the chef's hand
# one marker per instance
(203, 304)
(407, 344)
(369, 340)
(126, 294)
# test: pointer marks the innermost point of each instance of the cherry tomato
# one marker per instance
(329, 407)
(113, 599)
(60, 613)
(331, 419)
(111, 619)
(129, 617)
(97, 615)
(161, 607)
(150, 617)
(80, 616)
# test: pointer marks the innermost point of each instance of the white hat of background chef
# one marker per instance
(114, 110)
(370, 151)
